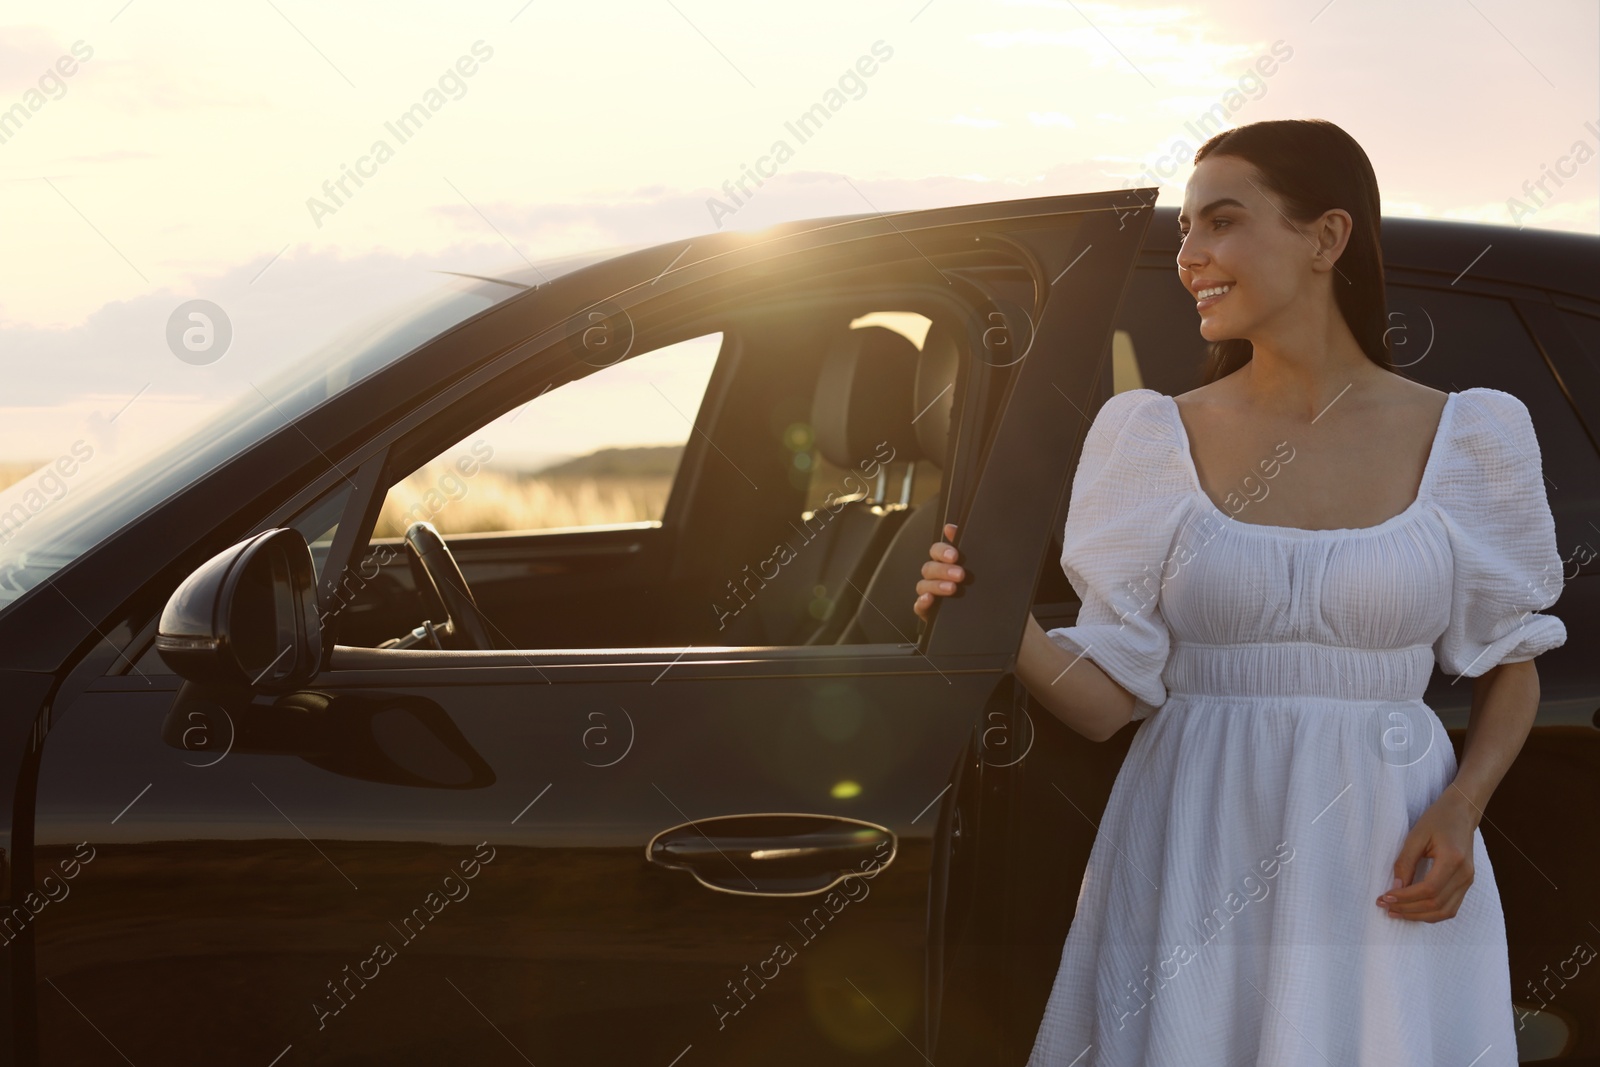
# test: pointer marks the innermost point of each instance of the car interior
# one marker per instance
(786, 523)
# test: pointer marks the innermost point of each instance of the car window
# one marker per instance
(1157, 344)
(1054, 602)
(574, 526)
(319, 522)
(1454, 341)
(1586, 328)
(1585, 551)
(598, 451)
(40, 535)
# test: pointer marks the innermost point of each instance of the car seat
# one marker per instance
(887, 611)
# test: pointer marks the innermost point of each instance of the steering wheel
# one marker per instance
(433, 567)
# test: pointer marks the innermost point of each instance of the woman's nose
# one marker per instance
(1188, 258)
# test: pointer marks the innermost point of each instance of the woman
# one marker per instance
(1289, 868)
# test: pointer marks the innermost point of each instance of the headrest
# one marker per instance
(864, 396)
(935, 392)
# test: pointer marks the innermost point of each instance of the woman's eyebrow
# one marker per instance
(1226, 201)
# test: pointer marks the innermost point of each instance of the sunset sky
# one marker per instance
(195, 150)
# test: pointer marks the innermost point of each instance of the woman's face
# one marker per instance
(1236, 235)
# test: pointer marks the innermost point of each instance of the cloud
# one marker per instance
(1173, 47)
(60, 378)
(654, 214)
(139, 93)
(120, 155)
(64, 381)
(25, 53)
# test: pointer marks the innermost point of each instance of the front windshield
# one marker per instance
(36, 541)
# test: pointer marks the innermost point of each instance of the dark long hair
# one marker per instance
(1313, 165)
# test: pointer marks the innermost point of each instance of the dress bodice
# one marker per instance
(1179, 597)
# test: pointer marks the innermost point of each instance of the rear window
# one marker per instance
(1457, 340)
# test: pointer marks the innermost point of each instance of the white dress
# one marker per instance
(1228, 912)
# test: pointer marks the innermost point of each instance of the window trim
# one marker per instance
(397, 668)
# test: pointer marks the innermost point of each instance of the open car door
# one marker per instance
(682, 852)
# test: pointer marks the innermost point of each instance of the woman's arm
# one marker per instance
(1071, 687)
(1505, 701)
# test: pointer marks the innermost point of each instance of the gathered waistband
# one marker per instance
(1300, 669)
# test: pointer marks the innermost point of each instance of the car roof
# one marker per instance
(1556, 260)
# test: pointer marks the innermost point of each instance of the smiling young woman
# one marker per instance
(1388, 528)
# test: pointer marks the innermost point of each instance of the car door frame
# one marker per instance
(284, 459)
(1038, 417)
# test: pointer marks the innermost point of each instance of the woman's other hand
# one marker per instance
(941, 574)
(1443, 834)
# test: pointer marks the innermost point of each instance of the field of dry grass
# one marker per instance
(12, 473)
(615, 485)
(493, 500)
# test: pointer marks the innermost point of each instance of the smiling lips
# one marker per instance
(1206, 297)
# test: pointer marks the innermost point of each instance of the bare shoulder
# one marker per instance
(1213, 396)
(1402, 417)
(1407, 391)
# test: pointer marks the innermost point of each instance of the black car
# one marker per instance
(293, 778)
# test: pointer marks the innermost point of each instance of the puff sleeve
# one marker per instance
(1502, 539)
(1121, 521)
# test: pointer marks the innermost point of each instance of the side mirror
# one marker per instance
(247, 617)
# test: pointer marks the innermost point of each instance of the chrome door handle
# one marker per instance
(773, 853)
